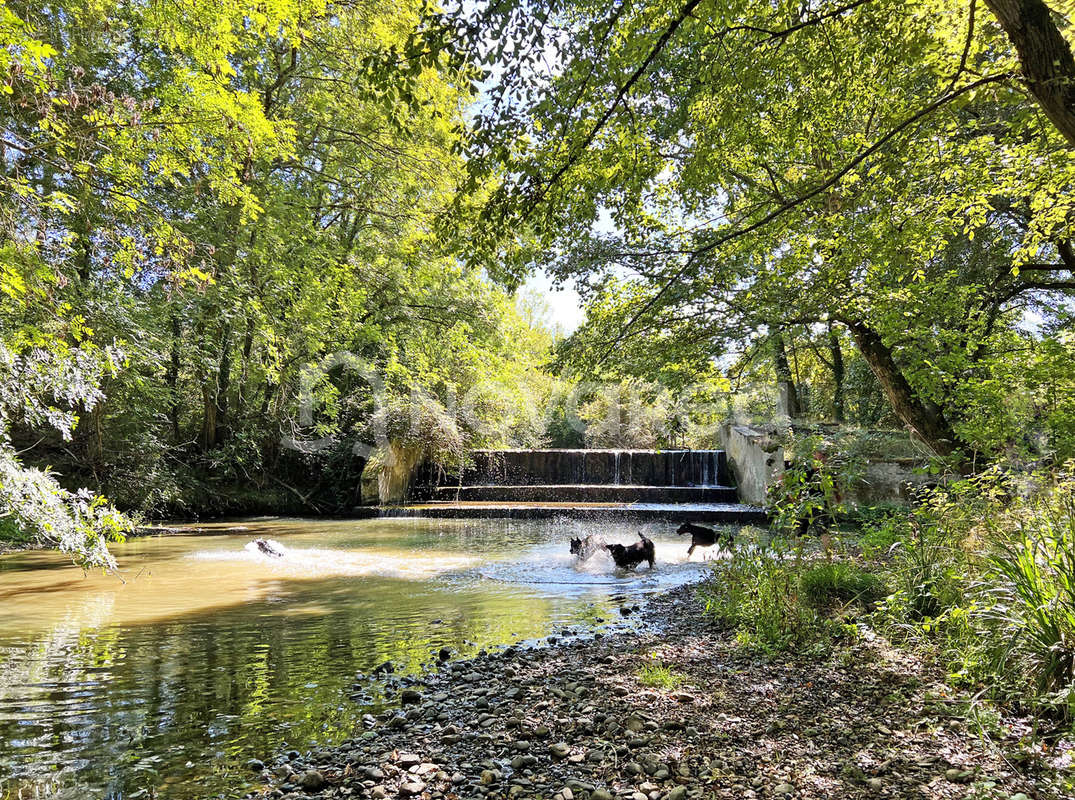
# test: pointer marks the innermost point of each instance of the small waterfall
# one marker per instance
(669, 468)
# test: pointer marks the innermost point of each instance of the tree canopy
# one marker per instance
(712, 172)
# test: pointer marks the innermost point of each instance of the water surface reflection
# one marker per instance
(203, 653)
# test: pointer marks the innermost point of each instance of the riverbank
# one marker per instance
(673, 709)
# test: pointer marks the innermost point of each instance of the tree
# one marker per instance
(874, 165)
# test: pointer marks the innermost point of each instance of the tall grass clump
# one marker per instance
(840, 583)
(1034, 599)
(984, 571)
(774, 597)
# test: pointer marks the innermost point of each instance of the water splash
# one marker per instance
(300, 562)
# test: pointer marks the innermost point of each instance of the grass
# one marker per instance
(840, 583)
(657, 675)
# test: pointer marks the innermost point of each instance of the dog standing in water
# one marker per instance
(584, 548)
(631, 555)
(705, 537)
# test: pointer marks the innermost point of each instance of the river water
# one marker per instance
(202, 652)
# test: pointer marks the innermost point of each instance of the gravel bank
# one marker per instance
(573, 720)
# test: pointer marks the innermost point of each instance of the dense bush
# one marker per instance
(985, 570)
(839, 583)
(760, 594)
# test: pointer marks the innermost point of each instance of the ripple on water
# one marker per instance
(316, 562)
(209, 651)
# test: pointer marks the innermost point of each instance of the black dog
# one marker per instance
(584, 548)
(630, 556)
(704, 537)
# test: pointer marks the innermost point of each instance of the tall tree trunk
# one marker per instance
(836, 353)
(784, 379)
(223, 386)
(209, 409)
(925, 419)
(1045, 57)
(172, 379)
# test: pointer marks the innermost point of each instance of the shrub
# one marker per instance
(1034, 602)
(758, 594)
(985, 574)
(840, 583)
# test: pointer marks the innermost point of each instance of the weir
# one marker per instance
(675, 485)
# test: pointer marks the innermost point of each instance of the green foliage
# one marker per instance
(811, 491)
(658, 675)
(759, 593)
(873, 171)
(840, 583)
(984, 569)
(271, 251)
(1036, 602)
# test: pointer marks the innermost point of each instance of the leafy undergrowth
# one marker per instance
(979, 577)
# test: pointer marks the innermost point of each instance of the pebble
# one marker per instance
(559, 750)
(312, 781)
(556, 716)
(255, 765)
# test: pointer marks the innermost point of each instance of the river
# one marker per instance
(202, 652)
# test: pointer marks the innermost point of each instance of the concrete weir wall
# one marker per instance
(597, 467)
(756, 460)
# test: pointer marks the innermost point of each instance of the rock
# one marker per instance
(411, 789)
(635, 724)
(784, 790)
(458, 778)
(678, 793)
(632, 768)
(408, 760)
(559, 750)
(875, 784)
(600, 794)
(957, 775)
(378, 793)
(374, 774)
(410, 697)
(444, 654)
(490, 776)
(312, 781)
(255, 765)
(384, 669)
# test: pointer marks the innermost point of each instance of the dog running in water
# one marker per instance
(705, 537)
(271, 549)
(631, 555)
(584, 548)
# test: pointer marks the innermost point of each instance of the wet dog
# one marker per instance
(631, 555)
(704, 537)
(584, 548)
(271, 549)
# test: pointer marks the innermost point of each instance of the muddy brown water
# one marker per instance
(201, 653)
